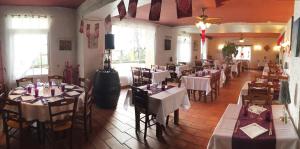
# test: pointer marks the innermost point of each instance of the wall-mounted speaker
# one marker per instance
(109, 41)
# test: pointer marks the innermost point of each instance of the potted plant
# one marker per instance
(229, 50)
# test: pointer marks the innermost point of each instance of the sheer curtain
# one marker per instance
(134, 46)
(184, 49)
(25, 37)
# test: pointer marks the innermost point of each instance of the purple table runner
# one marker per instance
(240, 140)
(156, 90)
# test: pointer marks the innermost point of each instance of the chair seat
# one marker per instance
(60, 127)
(14, 124)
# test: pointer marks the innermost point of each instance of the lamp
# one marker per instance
(109, 45)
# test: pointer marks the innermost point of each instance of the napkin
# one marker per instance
(256, 109)
(253, 130)
(19, 92)
(26, 98)
(73, 93)
(14, 96)
(69, 86)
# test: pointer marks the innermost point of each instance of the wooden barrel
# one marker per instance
(106, 88)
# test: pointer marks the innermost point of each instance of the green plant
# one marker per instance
(229, 50)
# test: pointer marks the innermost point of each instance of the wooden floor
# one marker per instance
(115, 128)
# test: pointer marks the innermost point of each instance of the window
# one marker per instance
(244, 53)
(28, 42)
(134, 46)
(184, 49)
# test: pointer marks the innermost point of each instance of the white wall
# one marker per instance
(62, 27)
(294, 78)
(162, 56)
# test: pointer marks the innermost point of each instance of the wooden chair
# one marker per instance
(218, 79)
(61, 120)
(258, 99)
(56, 79)
(136, 76)
(84, 116)
(140, 98)
(146, 76)
(172, 69)
(13, 122)
(258, 88)
(227, 74)
(24, 81)
(239, 69)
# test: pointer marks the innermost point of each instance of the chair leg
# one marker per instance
(85, 127)
(5, 128)
(137, 120)
(146, 122)
(71, 141)
(90, 119)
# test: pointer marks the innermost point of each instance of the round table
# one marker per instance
(37, 108)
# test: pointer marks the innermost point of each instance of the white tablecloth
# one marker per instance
(197, 83)
(244, 91)
(160, 76)
(39, 111)
(286, 136)
(234, 68)
(181, 68)
(164, 103)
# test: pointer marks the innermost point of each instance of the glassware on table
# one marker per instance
(36, 92)
(62, 87)
(52, 92)
(29, 89)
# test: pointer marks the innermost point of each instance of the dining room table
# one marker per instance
(35, 98)
(254, 127)
(159, 76)
(162, 102)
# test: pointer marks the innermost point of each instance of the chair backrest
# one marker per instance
(140, 98)
(24, 81)
(62, 111)
(171, 67)
(146, 73)
(198, 63)
(85, 83)
(154, 67)
(182, 63)
(256, 98)
(56, 78)
(260, 88)
(88, 101)
(12, 111)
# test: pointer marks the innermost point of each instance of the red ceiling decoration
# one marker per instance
(54, 3)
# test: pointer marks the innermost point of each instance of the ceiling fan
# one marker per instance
(205, 19)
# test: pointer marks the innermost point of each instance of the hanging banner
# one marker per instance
(155, 9)
(96, 30)
(108, 24)
(81, 26)
(88, 30)
(184, 8)
(132, 8)
(203, 36)
(280, 39)
(122, 10)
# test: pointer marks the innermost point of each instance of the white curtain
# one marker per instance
(134, 46)
(184, 49)
(26, 37)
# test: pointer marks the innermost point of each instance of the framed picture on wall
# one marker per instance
(167, 44)
(295, 43)
(195, 45)
(65, 45)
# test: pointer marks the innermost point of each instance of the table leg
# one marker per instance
(176, 117)
(158, 130)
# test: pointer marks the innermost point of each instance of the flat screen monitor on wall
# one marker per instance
(295, 43)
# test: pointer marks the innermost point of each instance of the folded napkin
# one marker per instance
(14, 96)
(256, 109)
(253, 130)
(69, 86)
(73, 93)
(27, 98)
(19, 92)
